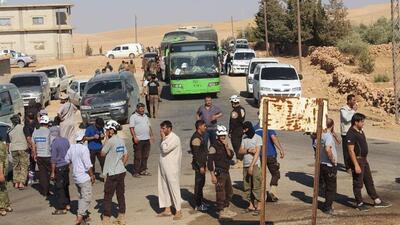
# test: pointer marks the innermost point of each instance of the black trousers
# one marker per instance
(44, 165)
(273, 167)
(93, 156)
(62, 187)
(140, 156)
(328, 176)
(346, 156)
(364, 178)
(199, 181)
(236, 140)
(114, 184)
(224, 190)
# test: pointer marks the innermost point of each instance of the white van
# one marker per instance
(276, 80)
(250, 71)
(130, 50)
(241, 60)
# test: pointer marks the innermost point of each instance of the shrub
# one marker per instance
(88, 50)
(381, 78)
(352, 44)
(377, 33)
(366, 62)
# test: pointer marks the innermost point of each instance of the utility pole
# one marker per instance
(395, 8)
(136, 40)
(233, 33)
(266, 29)
(299, 36)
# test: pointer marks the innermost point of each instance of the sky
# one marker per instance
(89, 16)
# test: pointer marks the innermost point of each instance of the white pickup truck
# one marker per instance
(17, 58)
(58, 77)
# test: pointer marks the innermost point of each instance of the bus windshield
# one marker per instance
(176, 36)
(191, 63)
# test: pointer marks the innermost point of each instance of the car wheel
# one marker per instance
(21, 64)
(111, 56)
(132, 56)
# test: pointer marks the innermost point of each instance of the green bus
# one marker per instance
(193, 68)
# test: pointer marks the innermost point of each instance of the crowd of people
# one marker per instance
(56, 146)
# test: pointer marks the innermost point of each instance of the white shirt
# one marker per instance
(346, 114)
(79, 156)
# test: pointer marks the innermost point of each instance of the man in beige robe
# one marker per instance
(66, 113)
(169, 170)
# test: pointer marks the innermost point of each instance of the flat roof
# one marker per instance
(51, 5)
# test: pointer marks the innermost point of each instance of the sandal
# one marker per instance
(8, 209)
(164, 214)
(3, 213)
(59, 212)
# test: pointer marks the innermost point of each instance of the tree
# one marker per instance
(377, 33)
(338, 26)
(88, 50)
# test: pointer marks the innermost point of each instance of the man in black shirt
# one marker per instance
(199, 151)
(358, 152)
(153, 88)
(236, 121)
(30, 124)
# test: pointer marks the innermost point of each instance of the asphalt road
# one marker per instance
(295, 184)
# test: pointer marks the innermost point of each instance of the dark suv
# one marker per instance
(110, 96)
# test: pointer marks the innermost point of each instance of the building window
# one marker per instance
(38, 20)
(61, 18)
(5, 21)
(38, 45)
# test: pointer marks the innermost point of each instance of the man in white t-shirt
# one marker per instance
(82, 172)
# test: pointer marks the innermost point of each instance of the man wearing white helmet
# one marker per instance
(218, 163)
(78, 156)
(116, 158)
(182, 70)
(42, 154)
(236, 120)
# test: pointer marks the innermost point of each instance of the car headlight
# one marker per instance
(265, 89)
(119, 103)
(296, 89)
(213, 84)
(250, 81)
(86, 107)
(176, 85)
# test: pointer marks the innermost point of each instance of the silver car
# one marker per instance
(75, 91)
(33, 86)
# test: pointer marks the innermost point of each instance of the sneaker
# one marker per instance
(362, 207)
(202, 208)
(330, 211)
(382, 205)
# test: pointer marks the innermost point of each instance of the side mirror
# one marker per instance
(301, 76)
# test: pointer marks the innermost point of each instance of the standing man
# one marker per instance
(17, 147)
(358, 152)
(60, 172)
(236, 120)
(199, 151)
(30, 125)
(132, 67)
(108, 67)
(210, 114)
(94, 134)
(66, 113)
(218, 163)
(272, 160)
(346, 113)
(78, 156)
(328, 165)
(42, 154)
(5, 205)
(142, 133)
(169, 171)
(114, 170)
(153, 91)
(121, 66)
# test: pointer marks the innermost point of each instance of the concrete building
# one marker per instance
(43, 30)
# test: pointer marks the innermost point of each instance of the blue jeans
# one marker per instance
(210, 134)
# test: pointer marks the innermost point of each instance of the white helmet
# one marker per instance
(234, 99)
(184, 66)
(112, 124)
(221, 130)
(44, 119)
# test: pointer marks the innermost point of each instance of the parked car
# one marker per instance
(11, 103)
(130, 50)
(58, 77)
(276, 80)
(250, 71)
(75, 91)
(241, 46)
(241, 60)
(110, 96)
(33, 86)
(242, 41)
(17, 58)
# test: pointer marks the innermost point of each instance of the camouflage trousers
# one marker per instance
(4, 200)
(20, 166)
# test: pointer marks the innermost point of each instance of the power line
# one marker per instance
(395, 12)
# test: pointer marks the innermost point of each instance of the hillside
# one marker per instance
(369, 13)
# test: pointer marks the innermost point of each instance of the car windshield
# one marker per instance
(254, 65)
(244, 46)
(26, 81)
(104, 87)
(190, 63)
(244, 56)
(278, 74)
(50, 73)
(82, 87)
